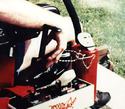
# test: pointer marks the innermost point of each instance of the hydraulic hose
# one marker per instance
(74, 17)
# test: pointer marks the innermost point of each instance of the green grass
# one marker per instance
(107, 27)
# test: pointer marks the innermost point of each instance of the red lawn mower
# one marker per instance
(68, 84)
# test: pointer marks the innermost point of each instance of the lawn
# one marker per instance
(105, 20)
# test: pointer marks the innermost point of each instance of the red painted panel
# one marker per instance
(7, 67)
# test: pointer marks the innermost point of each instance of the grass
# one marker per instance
(107, 25)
